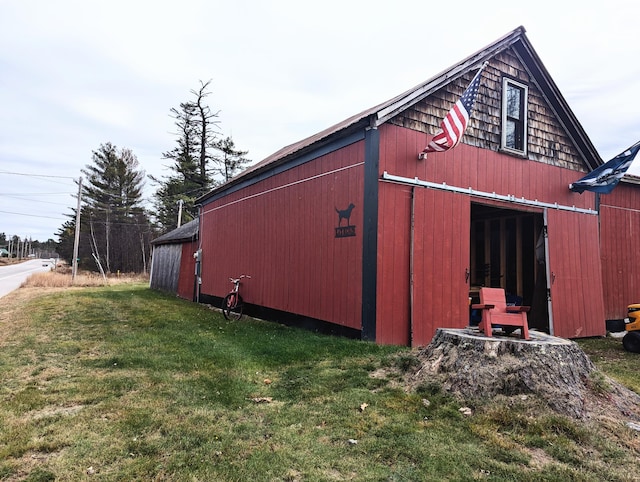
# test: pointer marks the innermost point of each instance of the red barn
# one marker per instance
(619, 230)
(349, 230)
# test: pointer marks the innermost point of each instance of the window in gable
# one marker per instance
(514, 116)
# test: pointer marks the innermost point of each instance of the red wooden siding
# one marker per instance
(443, 229)
(187, 271)
(441, 256)
(482, 169)
(281, 232)
(576, 282)
(619, 226)
(394, 230)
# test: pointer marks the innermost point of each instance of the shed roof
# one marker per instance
(631, 179)
(186, 232)
(379, 114)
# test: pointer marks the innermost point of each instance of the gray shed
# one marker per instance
(169, 271)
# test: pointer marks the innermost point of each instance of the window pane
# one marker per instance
(514, 116)
(514, 96)
(511, 134)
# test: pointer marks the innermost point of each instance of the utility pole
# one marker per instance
(180, 202)
(74, 270)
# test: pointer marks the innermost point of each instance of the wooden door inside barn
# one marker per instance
(575, 274)
(440, 263)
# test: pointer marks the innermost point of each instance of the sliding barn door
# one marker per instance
(440, 289)
(574, 274)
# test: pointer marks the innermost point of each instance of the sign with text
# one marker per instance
(348, 230)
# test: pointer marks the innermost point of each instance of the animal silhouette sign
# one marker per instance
(344, 216)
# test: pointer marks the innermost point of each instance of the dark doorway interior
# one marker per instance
(503, 255)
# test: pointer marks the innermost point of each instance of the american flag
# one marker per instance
(455, 122)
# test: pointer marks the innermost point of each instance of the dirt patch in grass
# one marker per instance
(48, 412)
(13, 306)
(539, 458)
(31, 467)
(613, 402)
(16, 299)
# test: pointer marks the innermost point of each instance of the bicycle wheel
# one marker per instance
(232, 306)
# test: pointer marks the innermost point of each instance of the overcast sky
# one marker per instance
(77, 74)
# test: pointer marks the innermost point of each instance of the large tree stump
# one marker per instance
(475, 366)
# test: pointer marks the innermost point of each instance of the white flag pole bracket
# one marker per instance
(422, 155)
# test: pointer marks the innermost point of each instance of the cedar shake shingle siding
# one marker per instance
(548, 141)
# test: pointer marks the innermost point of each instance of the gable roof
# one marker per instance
(186, 232)
(379, 114)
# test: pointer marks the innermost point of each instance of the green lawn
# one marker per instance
(123, 383)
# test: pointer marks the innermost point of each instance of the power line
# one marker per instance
(112, 223)
(33, 200)
(30, 215)
(34, 193)
(36, 175)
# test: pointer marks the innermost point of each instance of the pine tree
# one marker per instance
(201, 161)
(232, 159)
(206, 126)
(113, 219)
(66, 239)
(192, 156)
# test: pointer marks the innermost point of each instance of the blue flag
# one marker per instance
(604, 178)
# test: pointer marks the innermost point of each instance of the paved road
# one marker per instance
(13, 275)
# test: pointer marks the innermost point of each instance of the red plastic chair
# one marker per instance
(496, 312)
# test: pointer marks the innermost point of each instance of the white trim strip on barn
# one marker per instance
(284, 186)
(482, 194)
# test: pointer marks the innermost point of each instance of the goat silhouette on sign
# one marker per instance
(345, 214)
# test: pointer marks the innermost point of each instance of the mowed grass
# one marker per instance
(124, 383)
(610, 356)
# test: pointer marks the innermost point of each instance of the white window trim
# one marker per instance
(503, 136)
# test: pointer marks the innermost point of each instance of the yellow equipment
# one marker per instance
(631, 340)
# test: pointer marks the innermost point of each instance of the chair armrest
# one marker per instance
(483, 307)
(518, 309)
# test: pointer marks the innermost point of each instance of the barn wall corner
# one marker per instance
(370, 234)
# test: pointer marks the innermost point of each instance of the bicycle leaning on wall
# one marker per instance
(233, 304)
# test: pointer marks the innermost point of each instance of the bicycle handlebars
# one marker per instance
(235, 280)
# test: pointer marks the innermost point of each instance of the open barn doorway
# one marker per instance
(507, 251)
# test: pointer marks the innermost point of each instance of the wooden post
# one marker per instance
(74, 270)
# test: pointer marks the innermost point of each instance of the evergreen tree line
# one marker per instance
(115, 227)
(17, 247)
